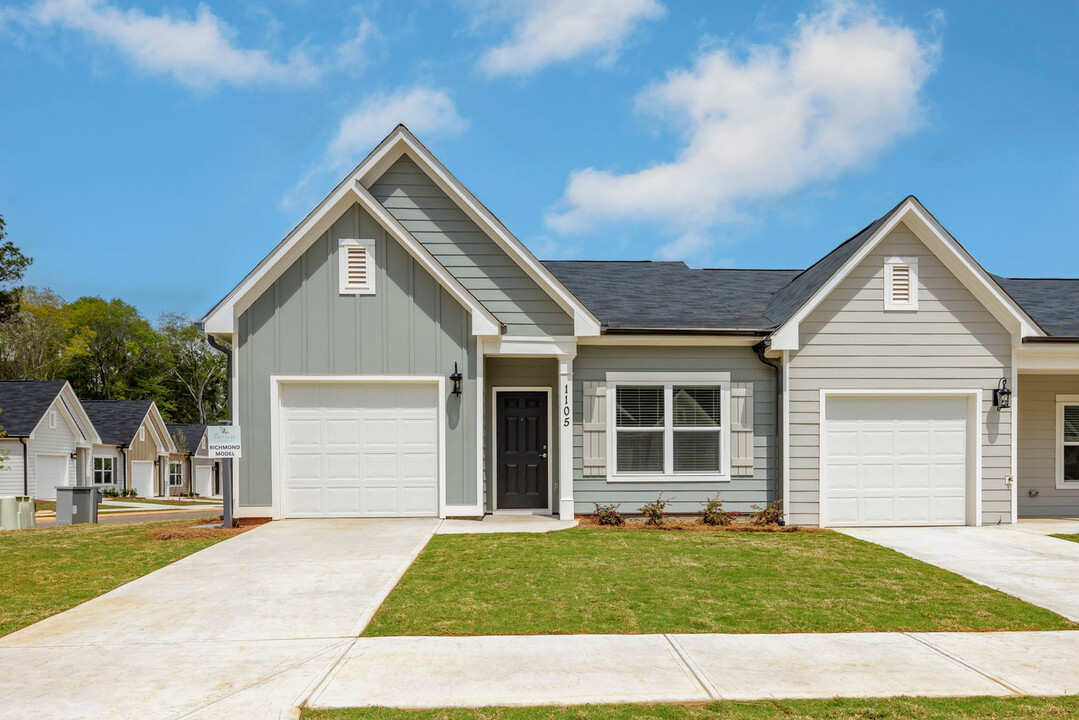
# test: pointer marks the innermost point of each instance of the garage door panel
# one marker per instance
(342, 432)
(342, 466)
(342, 500)
(303, 466)
(419, 466)
(418, 501)
(304, 431)
(304, 500)
(417, 431)
(895, 460)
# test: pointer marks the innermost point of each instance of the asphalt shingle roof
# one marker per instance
(117, 421)
(670, 295)
(1052, 302)
(24, 402)
(192, 435)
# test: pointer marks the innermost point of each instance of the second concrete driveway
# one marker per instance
(1021, 559)
(242, 629)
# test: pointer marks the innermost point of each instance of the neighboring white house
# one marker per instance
(47, 438)
(134, 448)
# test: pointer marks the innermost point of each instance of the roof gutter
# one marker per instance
(1049, 340)
(760, 349)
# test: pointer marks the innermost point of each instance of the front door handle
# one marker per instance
(543, 454)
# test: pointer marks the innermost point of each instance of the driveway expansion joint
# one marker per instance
(969, 666)
(691, 667)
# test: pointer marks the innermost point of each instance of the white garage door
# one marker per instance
(142, 478)
(359, 450)
(895, 461)
(51, 472)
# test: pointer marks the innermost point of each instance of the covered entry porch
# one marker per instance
(527, 447)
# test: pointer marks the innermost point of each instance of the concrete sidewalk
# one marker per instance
(428, 672)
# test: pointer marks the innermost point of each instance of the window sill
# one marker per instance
(1067, 484)
(660, 478)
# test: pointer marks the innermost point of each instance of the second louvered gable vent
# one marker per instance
(357, 267)
(901, 284)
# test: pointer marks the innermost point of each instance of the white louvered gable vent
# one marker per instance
(901, 284)
(357, 267)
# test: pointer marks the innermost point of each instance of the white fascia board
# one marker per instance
(483, 322)
(530, 346)
(674, 340)
(941, 244)
(1047, 359)
(75, 408)
(160, 431)
(584, 322)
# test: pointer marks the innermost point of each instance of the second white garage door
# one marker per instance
(359, 450)
(895, 460)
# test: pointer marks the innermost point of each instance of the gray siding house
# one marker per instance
(401, 353)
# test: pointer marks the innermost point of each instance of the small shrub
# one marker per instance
(770, 515)
(655, 512)
(110, 492)
(714, 514)
(608, 515)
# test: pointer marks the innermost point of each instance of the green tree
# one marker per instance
(195, 373)
(13, 265)
(114, 352)
(34, 343)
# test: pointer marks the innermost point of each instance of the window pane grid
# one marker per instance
(668, 429)
(1070, 451)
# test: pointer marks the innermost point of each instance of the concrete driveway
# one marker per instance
(242, 629)
(1021, 559)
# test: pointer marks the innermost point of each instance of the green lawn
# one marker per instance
(981, 708)
(40, 505)
(43, 572)
(604, 581)
(1073, 538)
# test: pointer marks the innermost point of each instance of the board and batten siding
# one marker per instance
(850, 342)
(492, 276)
(302, 325)
(505, 372)
(592, 364)
(1036, 401)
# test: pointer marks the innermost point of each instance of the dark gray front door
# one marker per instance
(521, 450)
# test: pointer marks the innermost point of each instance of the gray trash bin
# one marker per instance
(76, 505)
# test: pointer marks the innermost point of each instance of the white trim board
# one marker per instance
(276, 507)
(948, 251)
(221, 320)
(494, 448)
(974, 441)
(1058, 441)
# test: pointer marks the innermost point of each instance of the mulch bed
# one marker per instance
(693, 524)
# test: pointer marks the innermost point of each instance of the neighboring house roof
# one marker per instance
(24, 402)
(1052, 302)
(191, 435)
(654, 296)
(117, 421)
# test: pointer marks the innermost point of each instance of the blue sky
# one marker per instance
(156, 152)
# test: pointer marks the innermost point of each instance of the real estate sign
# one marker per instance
(223, 441)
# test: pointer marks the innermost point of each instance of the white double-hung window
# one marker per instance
(669, 429)
(104, 471)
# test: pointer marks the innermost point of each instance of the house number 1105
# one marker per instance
(565, 406)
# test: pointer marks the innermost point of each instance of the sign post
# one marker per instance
(223, 441)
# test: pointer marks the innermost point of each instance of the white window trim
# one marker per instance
(668, 381)
(889, 266)
(52, 420)
(1058, 441)
(142, 433)
(342, 267)
(111, 470)
(180, 467)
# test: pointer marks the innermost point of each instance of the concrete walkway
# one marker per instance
(1021, 559)
(426, 672)
(241, 629)
(505, 523)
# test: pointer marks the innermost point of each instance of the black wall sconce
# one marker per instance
(456, 378)
(1002, 396)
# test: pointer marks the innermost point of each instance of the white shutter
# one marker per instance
(594, 447)
(901, 284)
(357, 267)
(742, 429)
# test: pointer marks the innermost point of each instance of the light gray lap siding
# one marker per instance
(1036, 402)
(50, 441)
(593, 362)
(492, 276)
(302, 325)
(850, 342)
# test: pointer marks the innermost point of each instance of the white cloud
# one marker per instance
(198, 52)
(429, 113)
(841, 88)
(551, 31)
